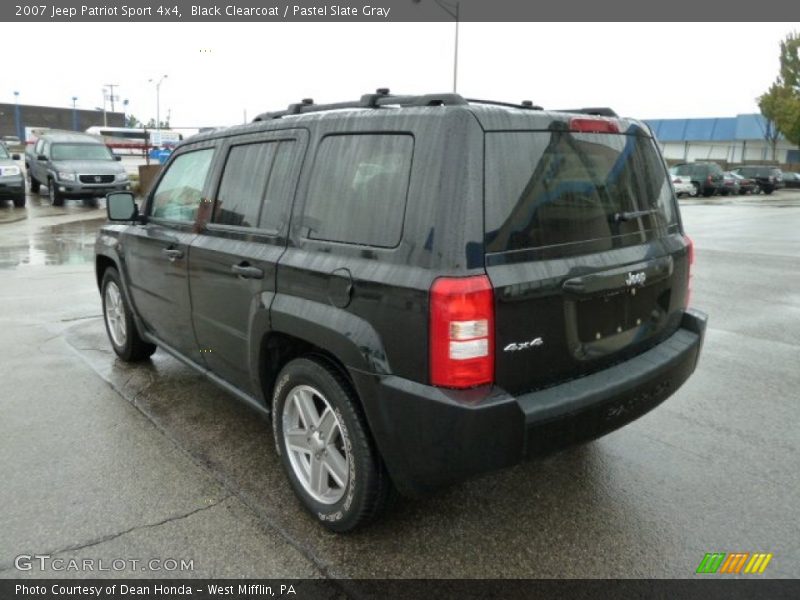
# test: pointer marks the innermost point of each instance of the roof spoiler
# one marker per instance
(598, 111)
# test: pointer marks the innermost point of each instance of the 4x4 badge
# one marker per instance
(514, 346)
(636, 278)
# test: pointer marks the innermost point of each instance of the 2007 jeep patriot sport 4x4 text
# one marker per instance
(416, 289)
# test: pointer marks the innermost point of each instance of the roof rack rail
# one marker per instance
(598, 111)
(524, 104)
(380, 98)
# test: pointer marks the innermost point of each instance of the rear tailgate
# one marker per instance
(584, 249)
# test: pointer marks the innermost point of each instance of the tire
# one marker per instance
(708, 193)
(697, 191)
(56, 199)
(768, 190)
(120, 326)
(19, 201)
(34, 185)
(353, 487)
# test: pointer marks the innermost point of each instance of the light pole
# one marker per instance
(105, 117)
(74, 114)
(17, 119)
(454, 10)
(158, 107)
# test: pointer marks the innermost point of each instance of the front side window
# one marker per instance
(180, 190)
(358, 189)
(80, 152)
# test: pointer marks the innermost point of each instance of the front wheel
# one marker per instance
(56, 199)
(326, 450)
(34, 184)
(120, 326)
(19, 201)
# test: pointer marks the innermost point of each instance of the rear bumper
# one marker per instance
(430, 437)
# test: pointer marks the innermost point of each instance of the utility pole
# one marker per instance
(111, 87)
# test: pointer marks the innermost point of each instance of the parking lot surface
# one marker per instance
(108, 460)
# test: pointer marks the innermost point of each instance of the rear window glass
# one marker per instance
(358, 189)
(551, 188)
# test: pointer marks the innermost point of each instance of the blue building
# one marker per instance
(732, 139)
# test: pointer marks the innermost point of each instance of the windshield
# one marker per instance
(3, 152)
(80, 152)
(561, 188)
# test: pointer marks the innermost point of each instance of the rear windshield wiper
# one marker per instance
(633, 214)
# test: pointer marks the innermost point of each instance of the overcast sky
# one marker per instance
(217, 71)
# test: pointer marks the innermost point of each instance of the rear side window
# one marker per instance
(358, 189)
(180, 190)
(256, 186)
(557, 188)
(244, 181)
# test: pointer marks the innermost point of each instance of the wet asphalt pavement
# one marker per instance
(107, 460)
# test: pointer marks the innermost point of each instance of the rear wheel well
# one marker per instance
(101, 264)
(278, 349)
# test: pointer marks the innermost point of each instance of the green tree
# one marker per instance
(133, 122)
(780, 104)
(151, 124)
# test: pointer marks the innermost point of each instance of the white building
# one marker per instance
(732, 139)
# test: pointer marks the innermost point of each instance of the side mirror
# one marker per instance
(117, 157)
(121, 206)
(41, 157)
(15, 157)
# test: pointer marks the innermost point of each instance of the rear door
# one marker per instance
(584, 251)
(233, 262)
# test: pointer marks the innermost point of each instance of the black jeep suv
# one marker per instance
(417, 289)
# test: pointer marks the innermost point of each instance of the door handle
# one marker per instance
(245, 271)
(172, 253)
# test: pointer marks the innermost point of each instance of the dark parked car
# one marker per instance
(707, 177)
(791, 180)
(730, 184)
(768, 179)
(73, 165)
(12, 183)
(746, 185)
(417, 289)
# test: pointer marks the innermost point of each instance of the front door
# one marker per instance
(156, 253)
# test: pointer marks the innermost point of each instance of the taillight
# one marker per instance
(690, 261)
(585, 125)
(709, 179)
(461, 332)
(677, 180)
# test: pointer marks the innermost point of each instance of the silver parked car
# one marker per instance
(74, 165)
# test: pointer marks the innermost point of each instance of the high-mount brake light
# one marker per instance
(461, 343)
(593, 125)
